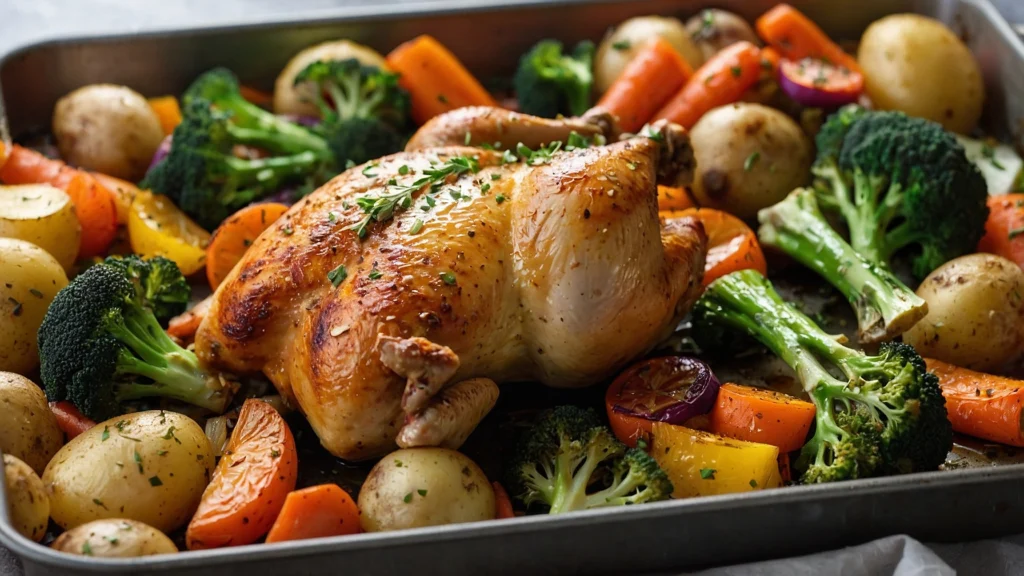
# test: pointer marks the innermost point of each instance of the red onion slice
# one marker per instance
(670, 389)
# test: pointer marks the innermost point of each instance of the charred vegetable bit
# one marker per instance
(569, 461)
(549, 82)
(208, 182)
(101, 345)
(363, 110)
(885, 307)
(885, 414)
(900, 182)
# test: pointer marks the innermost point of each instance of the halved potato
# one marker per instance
(44, 216)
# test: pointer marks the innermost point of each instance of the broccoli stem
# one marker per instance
(286, 136)
(273, 141)
(175, 372)
(572, 478)
(268, 172)
(885, 306)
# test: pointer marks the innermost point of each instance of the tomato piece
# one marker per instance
(673, 389)
(251, 481)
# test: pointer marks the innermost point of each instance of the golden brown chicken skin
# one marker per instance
(559, 273)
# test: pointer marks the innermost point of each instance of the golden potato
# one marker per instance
(29, 430)
(713, 30)
(27, 502)
(44, 216)
(748, 157)
(975, 313)
(917, 65)
(622, 43)
(291, 99)
(149, 466)
(114, 538)
(107, 128)
(29, 279)
(417, 487)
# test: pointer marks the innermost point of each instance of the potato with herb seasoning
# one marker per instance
(418, 487)
(29, 431)
(748, 157)
(44, 216)
(27, 503)
(975, 313)
(713, 30)
(114, 538)
(149, 466)
(29, 279)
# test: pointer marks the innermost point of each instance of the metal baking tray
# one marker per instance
(986, 500)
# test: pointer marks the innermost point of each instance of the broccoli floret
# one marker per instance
(253, 125)
(569, 461)
(900, 182)
(207, 181)
(885, 306)
(363, 110)
(885, 415)
(100, 345)
(158, 281)
(549, 83)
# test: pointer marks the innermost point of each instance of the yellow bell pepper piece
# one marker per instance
(704, 464)
(156, 227)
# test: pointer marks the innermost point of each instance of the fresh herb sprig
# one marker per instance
(399, 197)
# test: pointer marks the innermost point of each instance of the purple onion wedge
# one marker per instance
(670, 389)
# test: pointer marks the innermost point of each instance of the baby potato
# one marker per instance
(622, 43)
(149, 466)
(714, 29)
(748, 157)
(107, 128)
(27, 503)
(975, 313)
(417, 487)
(114, 538)
(291, 99)
(917, 65)
(44, 216)
(29, 279)
(29, 431)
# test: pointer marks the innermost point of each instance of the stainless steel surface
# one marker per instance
(941, 506)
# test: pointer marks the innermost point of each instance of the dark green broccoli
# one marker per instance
(251, 124)
(569, 461)
(202, 175)
(363, 110)
(100, 345)
(885, 307)
(900, 182)
(549, 83)
(885, 415)
(160, 283)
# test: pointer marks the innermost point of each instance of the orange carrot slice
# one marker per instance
(316, 512)
(981, 405)
(732, 245)
(761, 415)
(796, 37)
(234, 236)
(653, 76)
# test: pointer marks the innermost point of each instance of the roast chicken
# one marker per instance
(556, 270)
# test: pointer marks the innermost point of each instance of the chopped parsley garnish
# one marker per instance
(753, 483)
(155, 481)
(990, 154)
(106, 434)
(169, 435)
(707, 473)
(331, 217)
(35, 292)
(349, 164)
(499, 198)
(631, 166)
(497, 176)
(408, 498)
(508, 157)
(748, 164)
(442, 98)
(99, 503)
(17, 306)
(468, 138)
(448, 278)
(86, 548)
(485, 187)
(416, 227)
(338, 275)
(375, 274)
(539, 156)
(622, 45)
(1016, 232)
(736, 71)
(403, 170)
(422, 492)
(275, 453)
(138, 460)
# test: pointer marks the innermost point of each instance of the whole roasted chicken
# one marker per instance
(388, 303)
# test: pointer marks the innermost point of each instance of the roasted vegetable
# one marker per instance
(100, 345)
(550, 82)
(900, 183)
(884, 415)
(569, 461)
(365, 111)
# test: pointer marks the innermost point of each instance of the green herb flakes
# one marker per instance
(338, 275)
(707, 473)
